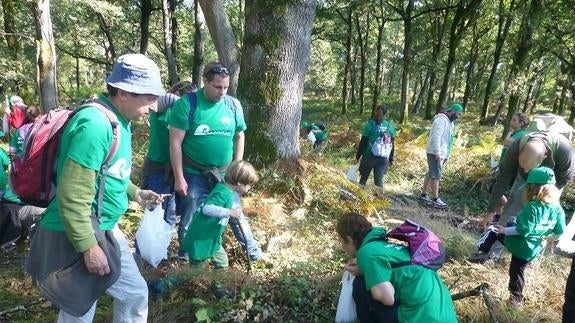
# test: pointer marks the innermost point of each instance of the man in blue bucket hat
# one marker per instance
(67, 233)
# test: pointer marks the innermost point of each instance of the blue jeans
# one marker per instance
(155, 180)
(369, 162)
(198, 190)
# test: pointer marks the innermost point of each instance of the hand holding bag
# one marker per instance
(154, 236)
(346, 312)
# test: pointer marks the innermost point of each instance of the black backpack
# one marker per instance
(10, 226)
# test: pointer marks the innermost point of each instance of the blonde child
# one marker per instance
(203, 239)
(541, 216)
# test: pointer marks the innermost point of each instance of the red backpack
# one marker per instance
(33, 175)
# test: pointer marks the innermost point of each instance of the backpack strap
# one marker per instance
(113, 149)
(384, 238)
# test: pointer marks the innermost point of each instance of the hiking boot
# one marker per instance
(424, 198)
(479, 257)
(515, 302)
(438, 204)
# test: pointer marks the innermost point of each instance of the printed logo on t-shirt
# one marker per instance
(120, 169)
(204, 130)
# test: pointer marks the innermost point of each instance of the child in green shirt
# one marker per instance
(541, 216)
(203, 239)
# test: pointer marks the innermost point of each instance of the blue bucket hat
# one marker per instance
(135, 73)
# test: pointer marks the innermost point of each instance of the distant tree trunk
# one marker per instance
(347, 66)
(199, 44)
(10, 28)
(422, 92)
(407, 37)
(272, 76)
(223, 37)
(45, 55)
(107, 30)
(377, 84)
(535, 97)
(167, 22)
(353, 74)
(145, 13)
(505, 20)
(438, 24)
(464, 15)
(391, 76)
(529, 24)
(564, 96)
(473, 55)
(77, 60)
(362, 42)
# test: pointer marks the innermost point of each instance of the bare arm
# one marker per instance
(176, 139)
(239, 141)
(384, 293)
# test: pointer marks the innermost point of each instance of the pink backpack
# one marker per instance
(33, 175)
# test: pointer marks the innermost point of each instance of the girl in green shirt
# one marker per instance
(541, 216)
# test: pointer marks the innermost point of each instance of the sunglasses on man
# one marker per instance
(218, 70)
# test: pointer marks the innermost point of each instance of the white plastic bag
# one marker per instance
(346, 306)
(351, 173)
(311, 137)
(566, 246)
(154, 236)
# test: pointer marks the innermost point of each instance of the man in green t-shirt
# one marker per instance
(383, 292)
(66, 229)
(211, 137)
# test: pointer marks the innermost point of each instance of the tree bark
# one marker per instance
(45, 55)
(377, 84)
(275, 59)
(407, 36)
(347, 66)
(438, 24)
(464, 15)
(170, 58)
(362, 42)
(223, 37)
(145, 13)
(505, 20)
(529, 24)
(199, 43)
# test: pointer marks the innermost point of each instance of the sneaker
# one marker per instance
(425, 199)
(515, 302)
(438, 203)
(479, 257)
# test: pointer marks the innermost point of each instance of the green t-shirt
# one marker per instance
(159, 143)
(5, 163)
(209, 139)
(515, 135)
(87, 140)
(420, 292)
(535, 221)
(10, 196)
(370, 131)
(204, 235)
(318, 133)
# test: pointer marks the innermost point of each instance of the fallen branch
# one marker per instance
(473, 292)
(488, 304)
(21, 307)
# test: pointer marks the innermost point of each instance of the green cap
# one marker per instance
(456, 107)
(540, 175)
(304, 124)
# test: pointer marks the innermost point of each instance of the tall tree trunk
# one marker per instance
(199, 44)
(505, 20)
(107, 30)
(564, 94)
(464, 15)
(223, 37)
(272, 76)
(473, 55)
(167, 22)
(353, 74)
(529, 24)
(362, 60)
(438, 24)
(45, 55)
(407, 43)
(145, 13)
(377, 84)
(10, 29)
(347, 66)
(422, 92)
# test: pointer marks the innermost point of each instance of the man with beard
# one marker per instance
(439, 145)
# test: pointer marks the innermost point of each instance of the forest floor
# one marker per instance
(293, 218)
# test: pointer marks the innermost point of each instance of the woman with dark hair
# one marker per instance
(384, 293)
(517, 126)
(377, 132)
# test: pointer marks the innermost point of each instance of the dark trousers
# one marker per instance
(516, 267)
(368, 309)
(369, 162)
(569, 306)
